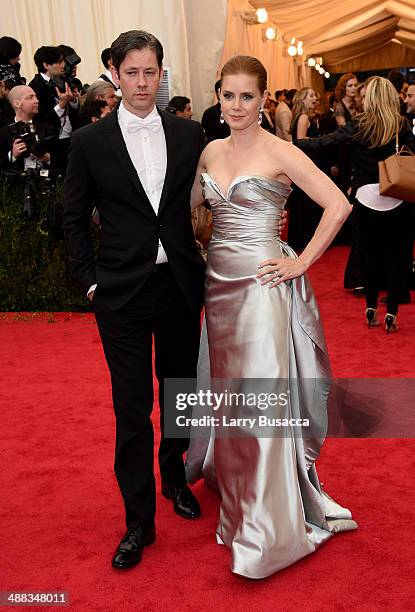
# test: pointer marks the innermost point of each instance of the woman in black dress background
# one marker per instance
(304, 214)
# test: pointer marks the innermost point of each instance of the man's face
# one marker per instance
(138, 78)
(28, 103)
(55, 69)
(104, 111)
(110, 98)
(410, 99)
(187, 113)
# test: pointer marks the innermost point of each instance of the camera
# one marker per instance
(11, 76)
(41, 199)
(67, 77)
(34, 145)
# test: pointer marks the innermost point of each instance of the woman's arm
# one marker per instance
(196, 198)
(338, 137)
(302, 126)
(301, 170)
(339, 114)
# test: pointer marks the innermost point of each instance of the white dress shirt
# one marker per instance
(146, 146)
(369, 196)
(148, 152)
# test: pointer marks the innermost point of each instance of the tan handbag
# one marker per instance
(397, 174)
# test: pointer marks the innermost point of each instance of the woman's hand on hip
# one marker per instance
(273, 272)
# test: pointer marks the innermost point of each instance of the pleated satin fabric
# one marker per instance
(273, 510)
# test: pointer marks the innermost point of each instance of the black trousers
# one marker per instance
(386, 238)
(159, 308)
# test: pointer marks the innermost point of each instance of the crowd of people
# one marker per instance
(37, 120)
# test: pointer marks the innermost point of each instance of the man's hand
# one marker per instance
(44, 158)
(66, 97)
(282, 222)
(19, 147)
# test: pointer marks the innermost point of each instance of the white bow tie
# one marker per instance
(153, 125)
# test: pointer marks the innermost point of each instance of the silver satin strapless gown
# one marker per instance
(273, 510)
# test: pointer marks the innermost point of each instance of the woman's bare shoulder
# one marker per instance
(284, 156)
(279, 146)
(215, 146)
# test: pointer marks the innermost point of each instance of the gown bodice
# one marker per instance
(250, 210)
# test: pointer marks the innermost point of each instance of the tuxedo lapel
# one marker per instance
(115, 138)
(172, 148)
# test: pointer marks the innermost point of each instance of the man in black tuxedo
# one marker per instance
(211, 120)
(56, 108)
(14, 154)
(137, 165)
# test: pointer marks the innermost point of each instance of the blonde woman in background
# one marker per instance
(384, 223)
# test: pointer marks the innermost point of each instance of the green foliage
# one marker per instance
(34, 269)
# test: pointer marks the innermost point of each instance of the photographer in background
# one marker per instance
(58, 103)
(106, 75)
(100, 90)
(72, 60)
(26, 143)
(181, 107)
(8, 80)
(92, 111)
(10, 50)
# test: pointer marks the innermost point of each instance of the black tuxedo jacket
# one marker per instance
(43, 130)
(101, 172)
(47, 102)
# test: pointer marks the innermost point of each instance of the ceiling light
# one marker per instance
(292, 50)
(311, 61)
(322, 71)
(317, 66)
(270, 33)
(262, 15)
(327, 75)
(300, 50)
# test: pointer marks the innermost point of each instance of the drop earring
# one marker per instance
(221, 119)
(260, 115)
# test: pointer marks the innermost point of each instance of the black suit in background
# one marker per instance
(136, 298)
(214, 129)
(46, 94)
(6, 112)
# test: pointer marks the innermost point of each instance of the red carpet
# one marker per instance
(61, 514)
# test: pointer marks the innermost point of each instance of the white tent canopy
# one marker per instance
(356, 34)
(191, 31)
(200, 35)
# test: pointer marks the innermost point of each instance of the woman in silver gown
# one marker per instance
(262, 322)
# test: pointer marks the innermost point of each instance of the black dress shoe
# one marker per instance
(130, 549)
(185, 503)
